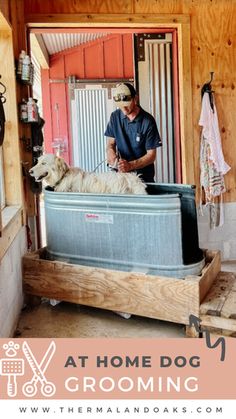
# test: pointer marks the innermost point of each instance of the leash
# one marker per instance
(99, 164)
(59, 181)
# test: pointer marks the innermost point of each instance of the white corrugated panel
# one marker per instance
(89, 119)
(56, 42)
(161, 107)
(37, 87)
(155, 89)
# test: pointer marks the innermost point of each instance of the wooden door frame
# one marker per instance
(141, 21)
(11, 216)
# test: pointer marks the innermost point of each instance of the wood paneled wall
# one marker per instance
(78, 6)
(14, 12)
(213, 48)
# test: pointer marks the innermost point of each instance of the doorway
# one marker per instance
(86, 105)
(182, 84)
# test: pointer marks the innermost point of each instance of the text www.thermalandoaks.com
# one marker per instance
(116, 409)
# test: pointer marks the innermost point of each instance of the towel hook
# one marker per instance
(212, 76)
(208, 89)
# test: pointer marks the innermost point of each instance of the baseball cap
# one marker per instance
(123, 94)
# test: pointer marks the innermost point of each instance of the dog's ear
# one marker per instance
(60, 164)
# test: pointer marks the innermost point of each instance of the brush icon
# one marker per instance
(11, 367)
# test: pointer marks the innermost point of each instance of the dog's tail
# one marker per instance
(136, 185)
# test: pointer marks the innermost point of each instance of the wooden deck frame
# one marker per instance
(218, 310)
(151, 296)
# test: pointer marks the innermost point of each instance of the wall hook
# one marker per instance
(4, 87)
(212, 76)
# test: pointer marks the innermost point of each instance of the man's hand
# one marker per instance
(129, 166)
(114, 166)
(124, 166)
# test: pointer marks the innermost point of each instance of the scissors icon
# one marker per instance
(47, 387)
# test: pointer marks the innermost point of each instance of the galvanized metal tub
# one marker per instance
(140, 233)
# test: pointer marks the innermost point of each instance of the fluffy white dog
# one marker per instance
(57, 174)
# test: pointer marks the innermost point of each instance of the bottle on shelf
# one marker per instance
(20, 63)
(23, 111)
(32, 110)
(36, 109)
(26, 65)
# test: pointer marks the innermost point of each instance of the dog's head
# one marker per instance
(49, 168)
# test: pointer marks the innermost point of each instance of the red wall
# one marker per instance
(110, 57)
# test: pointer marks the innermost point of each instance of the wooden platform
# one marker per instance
(151, 296)
(218, 310)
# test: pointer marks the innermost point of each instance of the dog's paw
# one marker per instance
(54, 302)
(124, 315)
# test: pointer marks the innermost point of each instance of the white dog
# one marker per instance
(57, 174)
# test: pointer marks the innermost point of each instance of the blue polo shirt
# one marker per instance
(134, 138)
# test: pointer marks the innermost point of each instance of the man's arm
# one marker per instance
(111, 150)
(128, 166)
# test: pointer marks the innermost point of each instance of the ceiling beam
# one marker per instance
(39, 50)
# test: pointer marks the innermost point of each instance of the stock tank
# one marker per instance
(155, 234)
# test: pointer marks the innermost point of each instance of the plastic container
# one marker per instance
(20, 63)
(26, 65)
(23, 111)
(32, 110)
(36, 109)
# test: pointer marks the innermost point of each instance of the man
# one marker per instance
(132, 135)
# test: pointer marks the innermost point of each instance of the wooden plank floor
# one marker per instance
(218, 310)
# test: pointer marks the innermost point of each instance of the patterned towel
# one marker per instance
(212, 164)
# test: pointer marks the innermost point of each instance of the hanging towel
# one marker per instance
(212, 164)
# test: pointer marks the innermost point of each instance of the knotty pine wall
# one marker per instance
(13, 11)
(213, 48)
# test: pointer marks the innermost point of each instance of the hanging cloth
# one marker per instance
(212, 164)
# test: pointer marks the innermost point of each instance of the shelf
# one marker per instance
(28, 122)
(23, 82)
